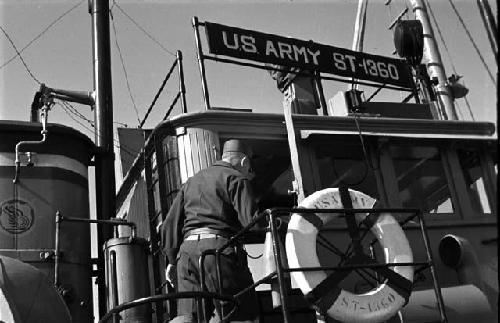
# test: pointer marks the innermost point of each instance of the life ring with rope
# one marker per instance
(376, 305)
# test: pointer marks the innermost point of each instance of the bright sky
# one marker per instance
(61, 57)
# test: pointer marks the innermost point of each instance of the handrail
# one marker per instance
(276, 213)
(150, 299)
(180, 94)
(59, 218)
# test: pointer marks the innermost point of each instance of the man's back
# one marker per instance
(212, 205)
(212, 197)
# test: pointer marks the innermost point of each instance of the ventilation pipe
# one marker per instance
(457, 253)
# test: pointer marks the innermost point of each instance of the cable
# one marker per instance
(360, 134)
(77, 113)
(41, 33)
(19, 54)
(472, 41)
(469, 108)
(434, 20)
(125, 70)
(142, 29)
(73, 113)
(70, 114)
(447, 52)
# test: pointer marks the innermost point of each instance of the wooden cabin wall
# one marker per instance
(198, 149)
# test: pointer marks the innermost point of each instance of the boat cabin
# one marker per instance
(446, 169)
(437, 178)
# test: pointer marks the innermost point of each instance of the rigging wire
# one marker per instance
(41, 34)
(73, 113)
(469, 108)
(472, 41)
(434, 20)
(142, 29)
(124, 69)
(19, 54)
(489, 25)
(363, 145)
(77, 113)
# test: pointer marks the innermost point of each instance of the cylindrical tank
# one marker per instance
(127, 276)
(54, 178)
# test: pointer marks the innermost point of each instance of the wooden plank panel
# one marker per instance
(202, 136)
(193, 144)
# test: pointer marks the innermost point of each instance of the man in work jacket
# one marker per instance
(212, 205)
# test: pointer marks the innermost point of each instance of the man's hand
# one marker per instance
(171, 274)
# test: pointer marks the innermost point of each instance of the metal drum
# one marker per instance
(127, 277)
(52, 177)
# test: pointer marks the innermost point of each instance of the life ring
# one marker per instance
(380, 303)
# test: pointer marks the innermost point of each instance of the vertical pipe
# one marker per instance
(279, 268)
(201, 265)
(359, 27)
(435, 65)
(56, 252)
(103, 114)
(359, 32)
(430, 259)
(114, 285)
(201, 64)
(219, 278)
(182, 87)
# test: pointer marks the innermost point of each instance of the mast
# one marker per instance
(359, 31)
(434, 62)
(103, 114)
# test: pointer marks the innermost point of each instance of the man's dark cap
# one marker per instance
(236, 146)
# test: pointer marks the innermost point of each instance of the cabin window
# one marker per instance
(343, 163)
(474, 180)
(421, 178)
(155, 186)
(171, 168)
(273, 172)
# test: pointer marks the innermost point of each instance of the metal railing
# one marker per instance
(280, 272)
(274, 221)
(115, 312)
(181, 94)
(274, 216)
(59, 218)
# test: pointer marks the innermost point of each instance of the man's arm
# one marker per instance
(244, 200)
(171, 228)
